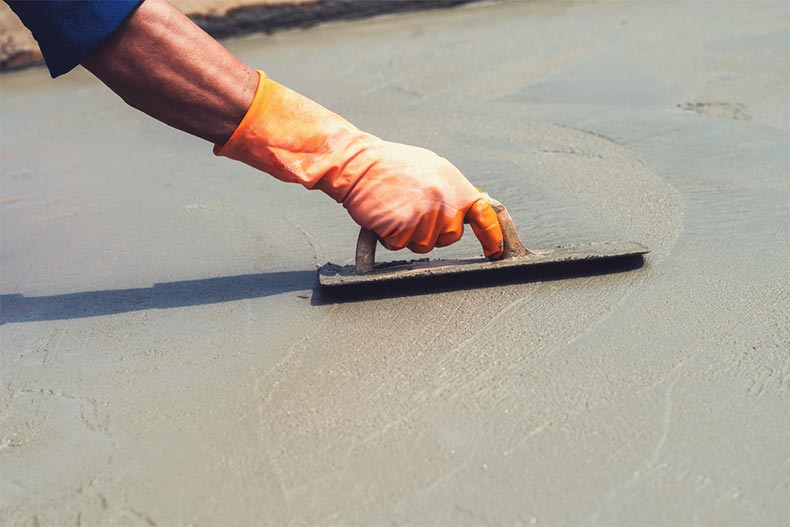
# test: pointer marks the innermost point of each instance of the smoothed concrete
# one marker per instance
(223, 18)
(168, 360)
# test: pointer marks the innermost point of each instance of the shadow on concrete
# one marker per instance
(19, 308)
(477, 280)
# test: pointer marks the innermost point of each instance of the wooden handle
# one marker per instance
(367, 240)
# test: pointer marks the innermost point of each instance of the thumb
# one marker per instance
(485, 225)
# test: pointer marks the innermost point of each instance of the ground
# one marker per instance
(168, 359)
(18, 48)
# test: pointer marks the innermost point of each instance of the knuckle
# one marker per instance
(449, 238)
(419, 248)
(393, 244)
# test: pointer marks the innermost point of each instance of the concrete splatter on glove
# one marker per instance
(409, 196)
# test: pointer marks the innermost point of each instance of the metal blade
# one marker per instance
(332, 275)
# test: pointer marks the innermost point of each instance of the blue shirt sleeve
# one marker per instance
(68, 31)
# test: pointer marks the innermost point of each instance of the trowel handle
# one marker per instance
(366, 251)
(512, 243)
(367, 240)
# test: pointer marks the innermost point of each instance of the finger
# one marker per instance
(419, 248)
(485, 225)
(451, 234)
(449, 238)
(394, 243)
(398, 239)
(424, 237)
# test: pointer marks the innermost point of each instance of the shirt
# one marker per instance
(68, 31)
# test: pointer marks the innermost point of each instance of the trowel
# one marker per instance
(515, 257)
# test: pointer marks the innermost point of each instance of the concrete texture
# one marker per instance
(222, 18)
(168, 360)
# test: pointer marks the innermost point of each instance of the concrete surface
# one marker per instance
(223, 18)
(167, 359)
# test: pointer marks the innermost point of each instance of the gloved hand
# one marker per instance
(409, 196)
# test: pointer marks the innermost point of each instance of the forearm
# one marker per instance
(161, 63)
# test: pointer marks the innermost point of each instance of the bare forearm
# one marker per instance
(161, 63)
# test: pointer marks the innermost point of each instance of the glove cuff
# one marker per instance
(297, 140)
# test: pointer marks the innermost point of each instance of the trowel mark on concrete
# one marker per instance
(483, 333)
(384, 415)
(66, 420)
(249, 19)
(727, 110)
(651, 462)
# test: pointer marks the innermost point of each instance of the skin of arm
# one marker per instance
(163, 64)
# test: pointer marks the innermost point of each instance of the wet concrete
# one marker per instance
(224, 18)
(168, 360)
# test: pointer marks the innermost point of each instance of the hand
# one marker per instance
(409, 196)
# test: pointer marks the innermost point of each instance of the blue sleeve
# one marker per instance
(68, 31)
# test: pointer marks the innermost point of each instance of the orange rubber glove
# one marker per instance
(409, 196)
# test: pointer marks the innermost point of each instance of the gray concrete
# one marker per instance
(167, 360)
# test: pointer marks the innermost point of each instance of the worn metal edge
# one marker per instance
(332, 275)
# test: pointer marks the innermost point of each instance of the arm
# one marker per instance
(161, 63)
